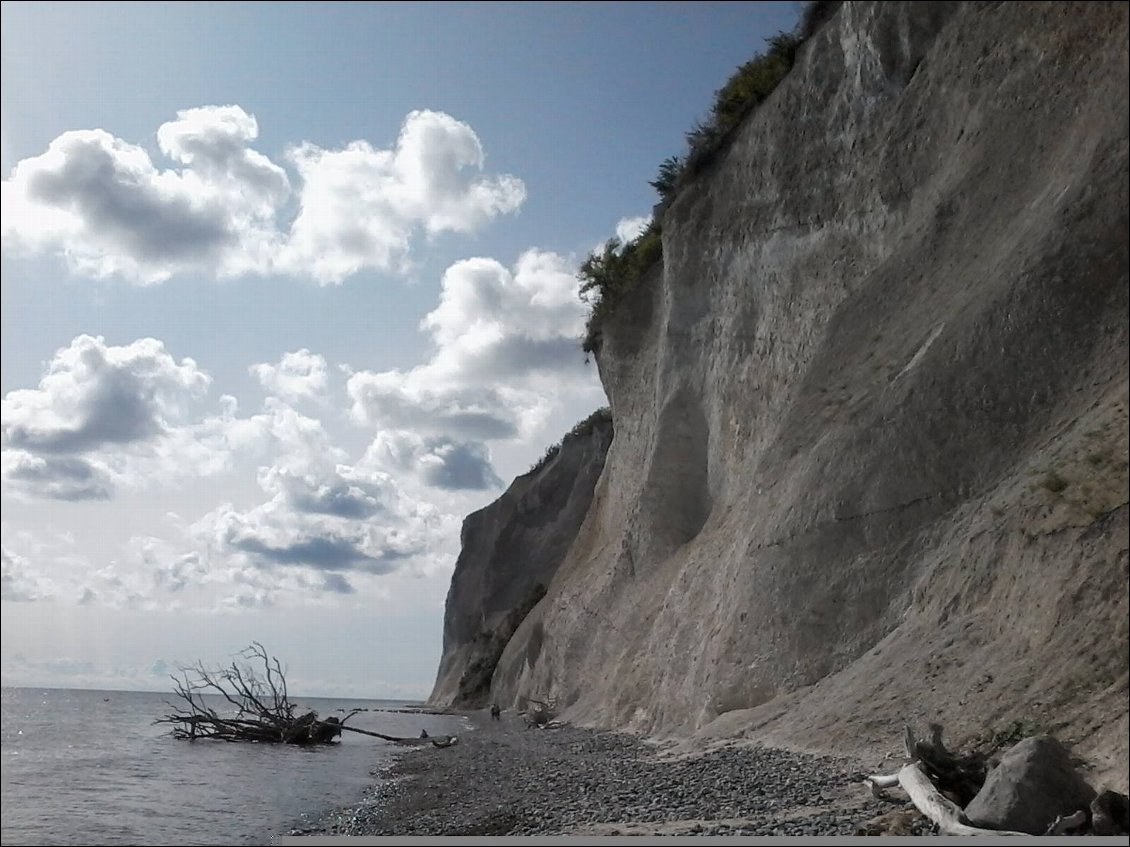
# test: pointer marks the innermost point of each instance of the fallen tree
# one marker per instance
(249, 701)
(931, 769)
(539, 713)
(944, 786)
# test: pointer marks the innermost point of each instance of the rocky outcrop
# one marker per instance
(1034, 784)
(510, 551)
(871, 413)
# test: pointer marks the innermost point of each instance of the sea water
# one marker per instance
(90, 767)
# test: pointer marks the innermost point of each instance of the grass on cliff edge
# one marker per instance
(610, 273)
(580, 429)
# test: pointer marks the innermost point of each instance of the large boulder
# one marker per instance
(1034, 783)
(1110, 814)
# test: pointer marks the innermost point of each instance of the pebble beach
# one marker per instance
(504, 779)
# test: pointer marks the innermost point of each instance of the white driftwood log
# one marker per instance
(878, 782)
(942, 811)
(1066, 824)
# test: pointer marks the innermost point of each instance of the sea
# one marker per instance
(91, 767)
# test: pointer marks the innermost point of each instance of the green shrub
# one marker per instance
(667, 180)
(748, 87)
(548, 456)
(584, 428)
(608, 275)
(1015, 732)
(1053, 482)
(580, 429)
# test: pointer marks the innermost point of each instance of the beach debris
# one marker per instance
(1033, 789)
(1110, 813)
(540, 713)
(248, 701)
(1034, 785)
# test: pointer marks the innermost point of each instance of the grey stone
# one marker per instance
(1034, 783)
(1110, 814)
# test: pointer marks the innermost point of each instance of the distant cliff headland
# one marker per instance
(866, 457)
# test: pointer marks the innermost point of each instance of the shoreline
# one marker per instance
(504, 779)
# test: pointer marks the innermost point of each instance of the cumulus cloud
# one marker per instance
(342, 519)
(300, 375)
(226, 209)
(629, 229)
(170, 570)
(95, 394)
(97, 403)
(55, 477)
(438, 462)
(213, 141)
(505, 349)
(321, 513)
(18, 580)
(360, 205)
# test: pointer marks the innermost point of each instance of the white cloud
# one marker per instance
(19, 581)
(629, 229)
(300, 375)
(94, 394)
(105, 417)
(39, 570)
(324, 520)
(360, 205)
(97, 407)
(103, 204)
(169, 569)
(506, 350)
(438, 462)
(213, 141)
(55, 477)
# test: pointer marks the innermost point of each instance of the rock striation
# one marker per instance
(510, 551)
(871, 445)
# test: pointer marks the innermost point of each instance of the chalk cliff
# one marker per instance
(870, 457)
(510, 551)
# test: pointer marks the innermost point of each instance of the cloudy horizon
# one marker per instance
(262, 355)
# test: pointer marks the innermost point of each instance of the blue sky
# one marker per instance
(287, 292)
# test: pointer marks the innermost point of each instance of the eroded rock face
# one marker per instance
(510, 552)
(871, 448)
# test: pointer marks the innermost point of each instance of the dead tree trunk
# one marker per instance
(249, 702)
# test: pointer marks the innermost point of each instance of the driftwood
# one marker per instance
(1064, 825)
(938, 808)
(541, 714)
(931, 767)
(258, 706)
(940, 783)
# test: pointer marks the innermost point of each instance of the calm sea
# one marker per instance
(89, 767)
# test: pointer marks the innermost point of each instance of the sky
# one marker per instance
(288, 290)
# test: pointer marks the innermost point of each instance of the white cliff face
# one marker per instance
(510, 551)
(890, 324)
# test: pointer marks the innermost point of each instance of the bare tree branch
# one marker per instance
(259, 710)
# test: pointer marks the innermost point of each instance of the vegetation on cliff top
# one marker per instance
(582, 429)
(611, 272)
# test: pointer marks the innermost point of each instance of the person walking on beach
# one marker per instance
(495, 711)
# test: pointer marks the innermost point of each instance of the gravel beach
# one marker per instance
(504, 779)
